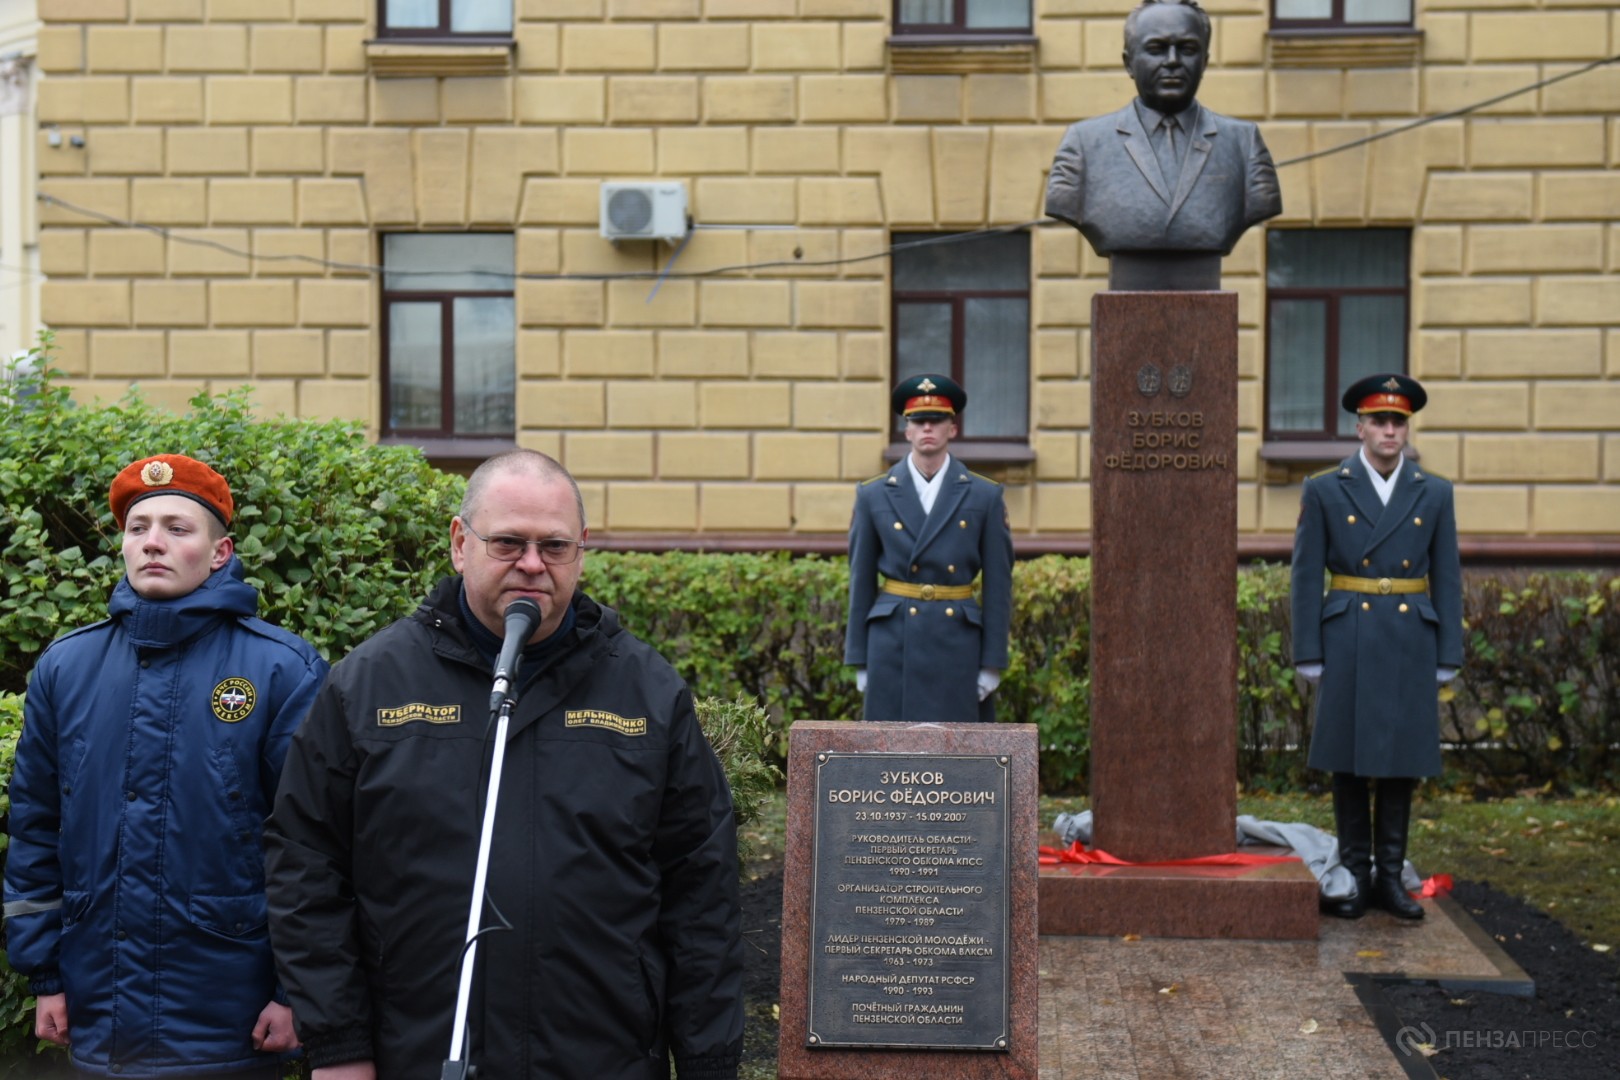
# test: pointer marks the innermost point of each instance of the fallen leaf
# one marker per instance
(1370, 954)
(1427, 1049)
(1132, 937)
(1532, 821)
(1600, 948)
(1172, 988)
(776, 1013)
(1460, 1001)
(1308, 1027)
(1494, 851)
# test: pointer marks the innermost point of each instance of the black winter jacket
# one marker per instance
(614, 859)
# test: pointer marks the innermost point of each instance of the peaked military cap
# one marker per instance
(928, 397)
(1388, 392)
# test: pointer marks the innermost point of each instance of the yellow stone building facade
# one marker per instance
(296, 136)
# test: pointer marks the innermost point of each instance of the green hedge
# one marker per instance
(340, 536)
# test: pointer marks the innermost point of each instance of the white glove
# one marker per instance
(989, 679)
(1311, 673)
(860, 679)
(1444, 675)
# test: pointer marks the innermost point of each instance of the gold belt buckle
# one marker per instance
(927, 592)
(1384, 586)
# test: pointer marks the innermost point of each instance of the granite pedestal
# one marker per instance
(810, 739)
(1164, 631)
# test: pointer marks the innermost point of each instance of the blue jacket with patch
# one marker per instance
(151, 748)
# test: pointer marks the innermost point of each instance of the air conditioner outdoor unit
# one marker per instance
(643, 210)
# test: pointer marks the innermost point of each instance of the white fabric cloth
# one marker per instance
(1311, 673)
(928, 490)
(860, 679)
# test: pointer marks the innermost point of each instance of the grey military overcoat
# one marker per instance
(1377, 705)
(922, 657)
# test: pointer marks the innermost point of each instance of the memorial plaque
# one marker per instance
(910, 919)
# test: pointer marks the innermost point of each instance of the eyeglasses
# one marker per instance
(554, 550)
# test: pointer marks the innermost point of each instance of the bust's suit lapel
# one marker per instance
(1133, 136)
(1203, 129)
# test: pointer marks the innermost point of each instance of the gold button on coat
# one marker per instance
(1417, 521)
(1403, 609)
(1366, 606)
(962, 523)
(1406, 564)
(914, 611)
(913, 568)
(897, 525)
(1351, 519)
(951, 568)
(949, 612)
(1364, 562)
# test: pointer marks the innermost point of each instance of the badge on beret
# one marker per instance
(927, 386)
(233, 699)
(1392, 383)
(157, 474)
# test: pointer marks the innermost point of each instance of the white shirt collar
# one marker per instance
(1384, 488)
(928, 490)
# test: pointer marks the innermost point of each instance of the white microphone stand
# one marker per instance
(457, 1067)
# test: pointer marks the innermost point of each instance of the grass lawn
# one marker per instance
(1560, 855)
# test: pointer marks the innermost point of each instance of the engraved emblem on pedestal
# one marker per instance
(1180, 381)
(1148, 380)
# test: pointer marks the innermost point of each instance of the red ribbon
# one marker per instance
(1079, 853)
(1438, 885)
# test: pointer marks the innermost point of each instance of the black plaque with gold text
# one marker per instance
(910, 922)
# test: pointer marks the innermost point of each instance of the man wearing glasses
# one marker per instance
(612, 896)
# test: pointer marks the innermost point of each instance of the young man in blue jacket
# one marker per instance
(151, 748)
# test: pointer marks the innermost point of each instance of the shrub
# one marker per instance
(738, 731)
(341, 537)
(1538, 701)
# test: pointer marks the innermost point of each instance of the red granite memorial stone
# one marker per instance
(1164, 574)
(1164, 635)
(909, 923)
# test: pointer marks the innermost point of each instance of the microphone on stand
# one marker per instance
(522, 616)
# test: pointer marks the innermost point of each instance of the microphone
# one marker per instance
(522, 616)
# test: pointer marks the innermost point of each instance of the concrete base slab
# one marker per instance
(1114, 1008)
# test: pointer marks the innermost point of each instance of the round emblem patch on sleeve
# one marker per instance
(234, 699)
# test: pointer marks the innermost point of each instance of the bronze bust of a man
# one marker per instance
(1164, 186)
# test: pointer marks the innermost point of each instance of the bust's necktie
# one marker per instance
(1170, 160)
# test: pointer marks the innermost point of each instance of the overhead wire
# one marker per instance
(890, 250)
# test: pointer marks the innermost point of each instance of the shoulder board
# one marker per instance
(874, 479)
(1324, 472)
(986, 479)
(1432, 475)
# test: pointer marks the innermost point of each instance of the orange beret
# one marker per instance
(171, 474)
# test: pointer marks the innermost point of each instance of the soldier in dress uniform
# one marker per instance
(1388, 629)
(923, 648)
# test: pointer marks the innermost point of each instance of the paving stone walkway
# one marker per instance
(1169, 1008)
